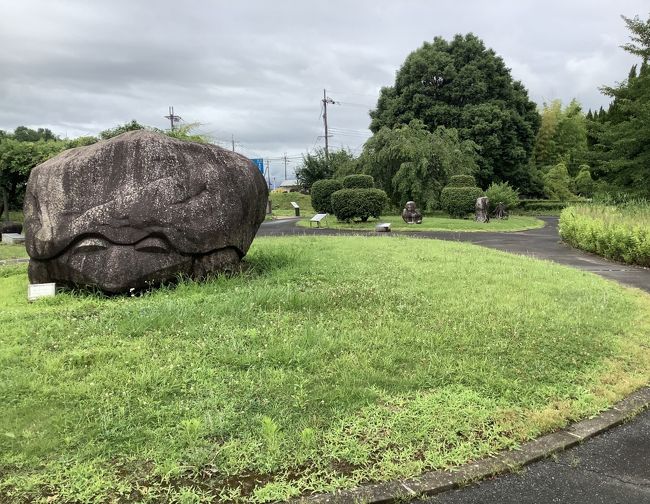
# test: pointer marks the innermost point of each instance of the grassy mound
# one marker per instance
(281, 203)
(332, 362)
(438, 223)
(618, 233)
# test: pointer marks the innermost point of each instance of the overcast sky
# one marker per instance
(257, 69)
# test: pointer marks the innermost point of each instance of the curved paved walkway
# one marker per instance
(611, 468)
(542, 243)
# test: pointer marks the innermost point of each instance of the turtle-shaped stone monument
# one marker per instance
(140, 209)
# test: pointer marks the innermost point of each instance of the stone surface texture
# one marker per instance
(482, 206)
(140, 209)
(410, 214)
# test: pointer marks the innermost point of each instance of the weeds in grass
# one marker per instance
(330, 362)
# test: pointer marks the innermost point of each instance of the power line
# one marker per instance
(172, 118)
(325, 101)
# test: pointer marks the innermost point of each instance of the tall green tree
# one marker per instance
(410, 163)
(317, 166)
(562, 137)
(621, 136)
(17, 158)
(463, 85)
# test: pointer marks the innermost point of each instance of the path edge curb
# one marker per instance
(435, 482)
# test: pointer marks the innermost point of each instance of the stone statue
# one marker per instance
(482, 205)
(500, 211)
(140, 209)
(410, 214)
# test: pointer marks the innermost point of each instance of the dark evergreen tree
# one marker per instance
(621, 142)
(461, 84)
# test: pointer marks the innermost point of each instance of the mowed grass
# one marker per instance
(437, 223)
(12, 251)
(331, 362)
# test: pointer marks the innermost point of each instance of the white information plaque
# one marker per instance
(36, 291)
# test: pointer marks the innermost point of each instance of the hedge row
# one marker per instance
(348, 204)
(618, 234)
(549, 205)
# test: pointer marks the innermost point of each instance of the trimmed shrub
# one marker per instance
(557, 183)
(321, 192)
(459, 201)
(348, 204)
(585, 185)
(534, 205)
(502, 193)
(461, 181)
(358, 182)
(621, 234)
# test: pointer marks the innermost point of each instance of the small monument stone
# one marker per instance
(411, 214)
(500, 211)
(482, 205)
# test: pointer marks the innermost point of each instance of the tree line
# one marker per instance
(24, 148)
(455, 109)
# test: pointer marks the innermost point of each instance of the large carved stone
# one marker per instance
(482, 206)
(140, 209)
(410, 214)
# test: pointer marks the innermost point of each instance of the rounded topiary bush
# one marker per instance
(458, 198)
(358, 182)
(459, 201)
(348, 204)
(321, 191)
(502, 193)
(461, 181)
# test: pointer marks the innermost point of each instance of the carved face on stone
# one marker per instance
(140, 208)
(410, 206)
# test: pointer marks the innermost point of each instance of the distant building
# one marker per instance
(289, 185)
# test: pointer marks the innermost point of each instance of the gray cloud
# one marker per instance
(256, 69)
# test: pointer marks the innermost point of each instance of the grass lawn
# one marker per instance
(332, 362)
(12, 251)
(437, 223)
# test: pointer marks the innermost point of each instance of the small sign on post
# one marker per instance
(37, 291)
(296, 207)
(318, 218)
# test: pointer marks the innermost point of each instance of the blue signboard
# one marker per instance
(259, 163)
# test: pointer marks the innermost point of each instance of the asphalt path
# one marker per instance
(613, 468)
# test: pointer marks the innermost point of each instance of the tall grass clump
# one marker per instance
(620, 233)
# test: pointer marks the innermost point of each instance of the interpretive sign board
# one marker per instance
(37, 291)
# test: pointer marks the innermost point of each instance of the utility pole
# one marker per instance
(268, 174)
(172, 118)
(326, 100)
(285, 166)
(233, 142)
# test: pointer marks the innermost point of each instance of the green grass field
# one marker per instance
(436, 223)
(12, 251)
(331, 362)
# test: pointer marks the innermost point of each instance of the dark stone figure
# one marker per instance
(410, 214)
(482, 205)
(500, 211)
(140, 209)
